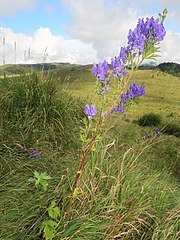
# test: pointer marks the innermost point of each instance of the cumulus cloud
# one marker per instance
(170, 48)
(98, 29)
(154, 6)
(43, 46)
(105, 24)
(10, 7)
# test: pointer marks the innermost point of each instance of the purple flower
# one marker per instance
(157, 132)
(146, 32)
(134, 91)
(117, 64)
(123, 53)
(101, 70)
(95, 69)
(90, 111)
(119, 108)
(34, 154)
(135, 40)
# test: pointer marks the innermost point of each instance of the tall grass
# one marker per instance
(36, 113)
(120, 198)
(125, 191)
(36, 108)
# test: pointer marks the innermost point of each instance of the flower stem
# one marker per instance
(98, 126)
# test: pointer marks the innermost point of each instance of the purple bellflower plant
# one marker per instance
(142, 44)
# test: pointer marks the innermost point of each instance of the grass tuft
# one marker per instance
(150, 119)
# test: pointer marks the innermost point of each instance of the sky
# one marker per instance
(79, 31)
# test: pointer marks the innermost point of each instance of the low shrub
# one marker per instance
(150, 119)
(172, 129)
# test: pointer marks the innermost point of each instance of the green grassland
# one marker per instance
(129, 188)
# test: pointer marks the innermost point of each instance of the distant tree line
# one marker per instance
(170, 67)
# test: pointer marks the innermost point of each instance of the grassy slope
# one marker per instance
(103, 210)
(162, 90)
(162, 98)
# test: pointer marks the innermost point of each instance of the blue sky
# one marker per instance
(79, 31)
(49, 14)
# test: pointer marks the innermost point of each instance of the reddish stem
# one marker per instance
(91, 143)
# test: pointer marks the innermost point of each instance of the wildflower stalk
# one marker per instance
(142, 44)
(93, 139)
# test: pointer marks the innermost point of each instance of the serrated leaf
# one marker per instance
(36, 174)
(49, 229)
(93, 149)
(46, 177)
(99, 137)
(41, 179)
(53, 210)
(44, 185)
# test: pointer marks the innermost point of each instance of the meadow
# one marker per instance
(129, 188)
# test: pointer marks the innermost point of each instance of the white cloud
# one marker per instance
(105, 23)
(105, 26)
(43, 46)
(10, 7)
(173, 7)
(170, 48)
(98, 29)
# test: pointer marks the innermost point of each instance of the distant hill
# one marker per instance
(170, 67)
(149, 65)
(19, 68)
(10, 69)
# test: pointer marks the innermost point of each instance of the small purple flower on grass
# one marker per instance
(157, 132)
(34, 154)
(90, 111)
